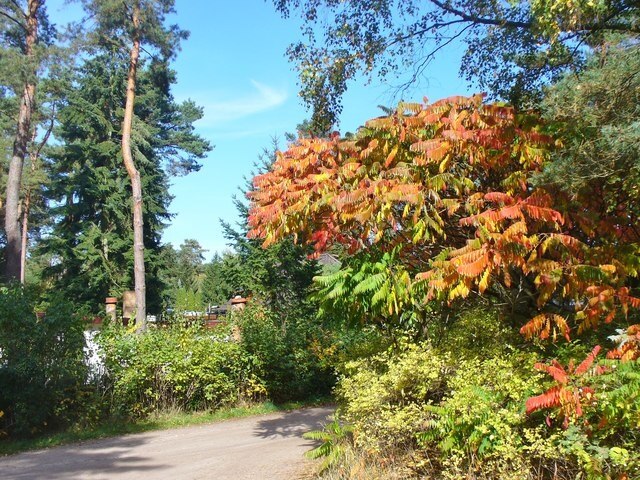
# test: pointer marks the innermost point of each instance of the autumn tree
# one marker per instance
(512, 48)
(444, 193)
(135, 26)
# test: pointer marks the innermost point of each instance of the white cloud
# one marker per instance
(261, 99)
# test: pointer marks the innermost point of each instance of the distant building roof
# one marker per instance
(326, 259)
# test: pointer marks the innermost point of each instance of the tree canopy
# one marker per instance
(512, 48)
(444, 193)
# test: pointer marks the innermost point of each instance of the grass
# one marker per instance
(159, 421)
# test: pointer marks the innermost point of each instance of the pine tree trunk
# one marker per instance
(134, 176)
(20, 144)
(24, 237)
(26, 209)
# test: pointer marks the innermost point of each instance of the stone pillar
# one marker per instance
(110, 306)
(128, 306)
(238, 303)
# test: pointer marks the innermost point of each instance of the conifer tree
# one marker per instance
(135, 26)
(92, 236)
(21, 25)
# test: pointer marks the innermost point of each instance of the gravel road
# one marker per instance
(268, 447)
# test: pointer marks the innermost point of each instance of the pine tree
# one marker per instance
(92, 236)
(21, 27)
(133, 26)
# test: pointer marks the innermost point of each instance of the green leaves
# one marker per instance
(335, 438)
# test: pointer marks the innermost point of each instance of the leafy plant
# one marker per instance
(42, 363)
(184, 368)
(334, 437)
(446, 190)
(282, 354)
(568, 395)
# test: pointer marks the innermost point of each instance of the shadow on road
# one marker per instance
(100, 459)
(294, 424)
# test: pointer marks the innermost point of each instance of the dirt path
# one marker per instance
(268, 447)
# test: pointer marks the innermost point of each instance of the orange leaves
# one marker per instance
(545, 325)
(587, 362)
(432, 151)
(449, 182)
(400, 170)
(474, 268)
(549, 399)
(499, 197)
(534, 208)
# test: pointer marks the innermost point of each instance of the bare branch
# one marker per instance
(421, 32)
(500, 22)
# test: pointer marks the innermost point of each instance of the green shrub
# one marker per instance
(282, 350)
(459, 415)
(480, 425)
(42, 369)
(185, 368)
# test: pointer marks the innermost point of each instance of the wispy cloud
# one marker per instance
(260, 99)
(239, 134)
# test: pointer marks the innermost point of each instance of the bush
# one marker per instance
(455, 417)
(480, 425)
(454, 413)
(386, 397)
(282, 351)
(42, 368)
(177, 367)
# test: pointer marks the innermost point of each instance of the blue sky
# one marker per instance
(234, 66)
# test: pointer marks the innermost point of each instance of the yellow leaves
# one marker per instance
(380, 123)
(411, 107)
(432, 150)
(483, 284)
(609, 269)
(461, 290)
(515, 230)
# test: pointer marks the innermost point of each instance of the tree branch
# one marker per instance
(502, 22)
(423, 31)
(48, 132)
(481, 20)
(14, 20)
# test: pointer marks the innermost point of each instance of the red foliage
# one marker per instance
(567, 396)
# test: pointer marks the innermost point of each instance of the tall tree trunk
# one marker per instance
(26, 208)
(134, 176)
(20, 144)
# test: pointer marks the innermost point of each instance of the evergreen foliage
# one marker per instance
(91, 238)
